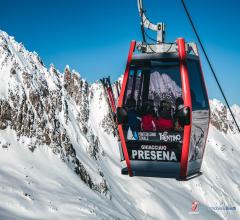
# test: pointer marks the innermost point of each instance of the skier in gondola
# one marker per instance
(164, 121)
(177, 121)
(133, 124)
(148, 123)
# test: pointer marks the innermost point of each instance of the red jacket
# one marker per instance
(163, 124)
(147, 123)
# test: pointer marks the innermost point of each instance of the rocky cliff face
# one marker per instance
(221, 118)
(39, 104)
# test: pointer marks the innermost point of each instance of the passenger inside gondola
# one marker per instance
(133, 119)
(166, 117)
(148, 113)
(164, 121)
(177, 121)
(151, 94)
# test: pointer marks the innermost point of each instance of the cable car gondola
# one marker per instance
(163, 109)
(149, 80)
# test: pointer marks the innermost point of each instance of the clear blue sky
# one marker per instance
(93, 36)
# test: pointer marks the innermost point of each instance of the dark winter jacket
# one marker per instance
(133, 121)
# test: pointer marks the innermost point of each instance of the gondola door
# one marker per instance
(197, 99)
(200, 117)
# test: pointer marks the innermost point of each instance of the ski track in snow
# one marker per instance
(39, 185)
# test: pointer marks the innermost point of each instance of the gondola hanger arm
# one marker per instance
(146, 23)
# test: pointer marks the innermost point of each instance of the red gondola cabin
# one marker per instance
(163, 112)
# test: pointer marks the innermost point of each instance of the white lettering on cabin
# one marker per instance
(154, 155)
(166, 155)
(140, 155)
(173, 156)
(159, 155)
(163, 136)
(169, 137)
(153, 147)
(147, 155)
(134, 153)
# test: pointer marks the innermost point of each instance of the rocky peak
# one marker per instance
(221, 117)
(47, 107)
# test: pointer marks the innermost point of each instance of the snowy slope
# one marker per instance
(60, 160)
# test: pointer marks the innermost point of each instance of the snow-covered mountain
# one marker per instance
(60, 160)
